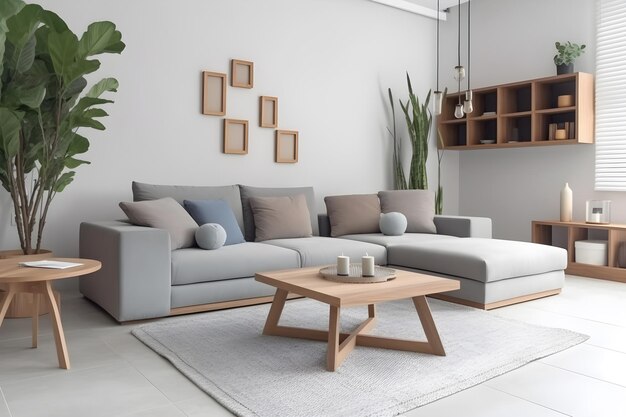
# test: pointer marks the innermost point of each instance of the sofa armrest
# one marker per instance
(135, 280)
(324, 223)
(463, 226)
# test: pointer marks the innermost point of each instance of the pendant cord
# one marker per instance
(469, 2)
(458, 45)
(437, 45)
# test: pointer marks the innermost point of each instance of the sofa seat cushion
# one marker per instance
(407, 238)
(234, 261)
(484, 260)
(319, 251)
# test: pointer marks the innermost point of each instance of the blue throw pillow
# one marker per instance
(216, 211)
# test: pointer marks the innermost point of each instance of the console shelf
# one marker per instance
(565, 234)
(520, 114)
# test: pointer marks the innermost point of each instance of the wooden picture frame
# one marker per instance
(241, 73)
(268, 112)
(235, 136)
(213, 93)
(286, 146)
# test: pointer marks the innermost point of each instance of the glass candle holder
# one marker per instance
(598, 211)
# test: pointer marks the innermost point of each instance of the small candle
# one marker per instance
(343, 265)
(595, 217)
(367, 265)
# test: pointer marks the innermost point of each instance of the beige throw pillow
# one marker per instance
(348, 214)
(280, 217)
(417, 205)
(167, 214)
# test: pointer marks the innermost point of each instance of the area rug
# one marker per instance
(225, 355)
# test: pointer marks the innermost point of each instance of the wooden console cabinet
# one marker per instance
(565, 234)
(520, 114)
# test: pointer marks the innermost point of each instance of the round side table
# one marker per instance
(15, 278)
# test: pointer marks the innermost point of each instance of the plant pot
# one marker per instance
(22, 304)
(565, 69)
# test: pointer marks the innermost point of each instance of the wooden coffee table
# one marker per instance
(307, 282)
(38, 281)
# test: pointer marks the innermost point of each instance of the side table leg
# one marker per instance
(6, 302)
(332, 359)
(59, 336)
(35, 320)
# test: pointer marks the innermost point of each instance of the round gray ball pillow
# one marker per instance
(210, 236)
(392, 223)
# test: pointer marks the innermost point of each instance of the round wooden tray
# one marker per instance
(381, 274)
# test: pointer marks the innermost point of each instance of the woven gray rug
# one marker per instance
(225, 354)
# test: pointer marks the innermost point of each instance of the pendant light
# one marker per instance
(468, 106)
(459, 70)
(438, 95)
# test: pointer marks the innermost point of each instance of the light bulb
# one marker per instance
(458, 111)
(437, 99)
(459, 73)
(468, 106)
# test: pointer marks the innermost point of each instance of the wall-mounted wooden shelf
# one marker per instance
(565, 234)
(519, 114)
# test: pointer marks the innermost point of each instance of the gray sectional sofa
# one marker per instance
(141, 277)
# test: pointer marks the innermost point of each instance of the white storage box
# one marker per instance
(593, 252)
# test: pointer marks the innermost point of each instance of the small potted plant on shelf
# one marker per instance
(566, 54)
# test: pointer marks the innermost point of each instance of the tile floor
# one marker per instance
(113, 374)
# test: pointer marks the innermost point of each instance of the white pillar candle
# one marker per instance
(367, 265)
(343, 265)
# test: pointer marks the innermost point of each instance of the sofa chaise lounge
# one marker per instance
(142, 277)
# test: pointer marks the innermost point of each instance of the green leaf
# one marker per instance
(22, 26)
(78, 145)
(63, 48)
(53, 21)
(63, 181)
(106, 84)
(73, 163)
(80, 68)
(23, 57)
(9, 8)
(33, 97)
(10, 123)
(100, 37)
(95, 113)
(87, 102)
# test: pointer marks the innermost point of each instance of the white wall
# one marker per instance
(513, 40)
(329, 62)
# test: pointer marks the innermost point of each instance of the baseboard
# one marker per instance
(497, 304)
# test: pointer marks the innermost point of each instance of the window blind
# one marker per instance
(611, 96)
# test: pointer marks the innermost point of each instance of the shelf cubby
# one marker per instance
(482, 129)
(516, 128)
(516, 98)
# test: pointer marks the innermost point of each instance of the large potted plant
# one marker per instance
(566, 54)
(43, 104)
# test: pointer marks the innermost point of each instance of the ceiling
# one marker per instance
(423, 7)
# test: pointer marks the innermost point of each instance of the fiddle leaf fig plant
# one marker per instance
(567, 52)
(43, 106)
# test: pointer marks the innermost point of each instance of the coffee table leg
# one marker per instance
(59, 336)
(6, 302)
(332, 360)
(275, 311)
(371, 309)
(428, 324)
(35, 319)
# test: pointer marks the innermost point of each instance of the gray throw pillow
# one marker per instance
(164, 213)
(392, 223)
(417, 205)
(210, 236)
(349, 214)
(281, 217)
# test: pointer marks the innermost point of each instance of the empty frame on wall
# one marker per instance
(269, 111)
(235, 136)
(242, 74)
(213, 93)
(286, 146)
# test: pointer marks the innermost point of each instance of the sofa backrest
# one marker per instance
(228, 193)
(248, 218)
